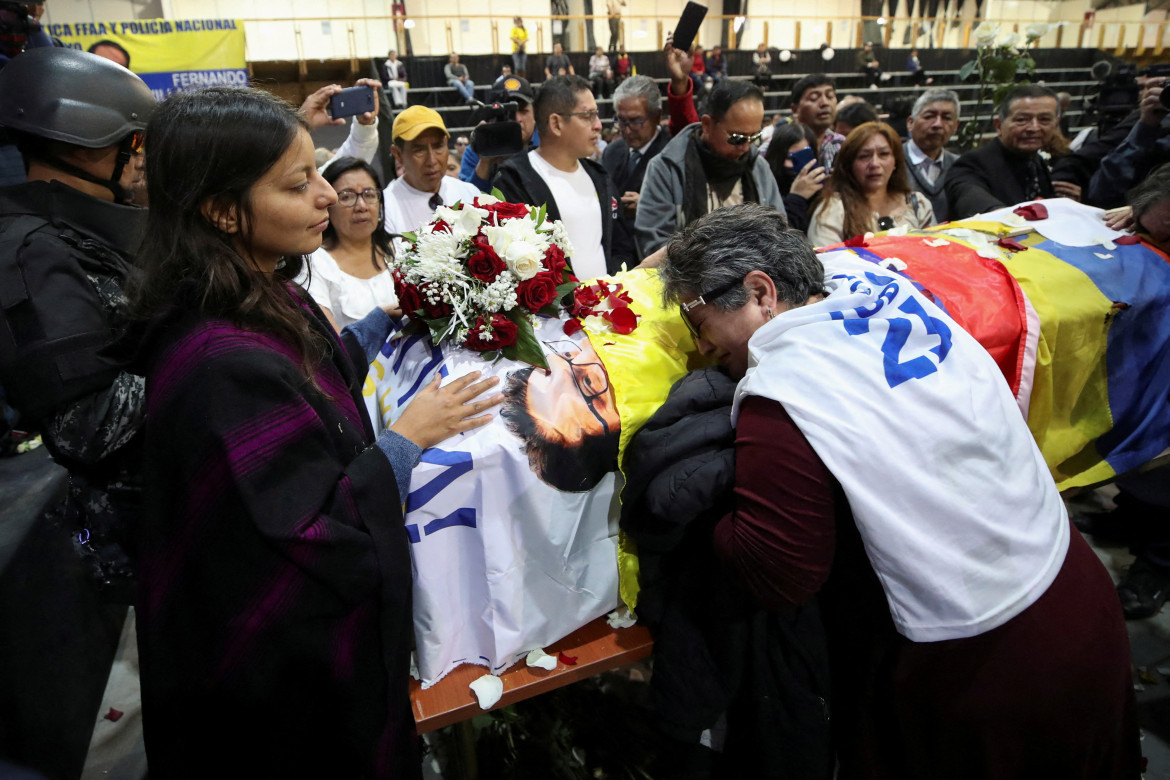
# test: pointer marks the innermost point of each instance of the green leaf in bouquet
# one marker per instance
(438, 328)
(551, 310)
(541, 214)
(967, 69)
(495, 193)
(411, 237)
(526, 348)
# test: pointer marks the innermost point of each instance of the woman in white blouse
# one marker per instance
(348, 276)
(868, 189)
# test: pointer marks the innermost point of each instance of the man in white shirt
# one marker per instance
(559, 174)
(420, 147)
(932, 122)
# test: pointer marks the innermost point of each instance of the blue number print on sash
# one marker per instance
(898, 369)
(458, 464)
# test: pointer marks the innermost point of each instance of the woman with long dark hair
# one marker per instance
(274, 623)
(799, 188)
(349, 276)
(868, 190)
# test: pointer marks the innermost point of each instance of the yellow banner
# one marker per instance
(169, 54)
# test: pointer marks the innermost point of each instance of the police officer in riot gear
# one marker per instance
(67, 240)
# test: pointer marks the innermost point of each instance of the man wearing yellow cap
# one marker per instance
(420, 147)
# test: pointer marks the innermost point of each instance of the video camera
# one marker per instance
(500, 135)
(1119, 93)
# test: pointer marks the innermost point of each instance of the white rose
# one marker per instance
(485, 199)
(521, 230)
(499, 238)
(447, 214)
(1009, 39)
(1037, 29)
(986, 34)
(468, 220)
(523, 259)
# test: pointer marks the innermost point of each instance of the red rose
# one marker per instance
(554, 260)
(441, 226)
(584, 299)
(436, 308)
(503, 333)
(408, 296)
(536, 293)
(484, 264)
(505, 210)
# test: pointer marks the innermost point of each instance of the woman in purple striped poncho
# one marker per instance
(274, 607)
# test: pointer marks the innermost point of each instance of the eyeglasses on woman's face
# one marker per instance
(348, 198)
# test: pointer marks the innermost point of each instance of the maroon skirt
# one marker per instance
(1047, 694)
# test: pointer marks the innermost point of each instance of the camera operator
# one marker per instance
(480, 170)
(1146, 147)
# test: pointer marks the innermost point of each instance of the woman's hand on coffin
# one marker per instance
(438, 413)
(1120, 218)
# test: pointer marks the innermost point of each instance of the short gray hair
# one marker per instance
(1152, 190)
(727, 244)
(640, 87)
(936, 96)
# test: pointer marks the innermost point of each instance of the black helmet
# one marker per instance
(73, 96)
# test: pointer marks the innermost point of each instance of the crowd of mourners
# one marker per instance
(191, 300)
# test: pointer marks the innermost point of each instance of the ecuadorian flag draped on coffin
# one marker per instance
(1074, 313)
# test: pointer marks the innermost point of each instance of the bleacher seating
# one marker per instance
(1062, 69)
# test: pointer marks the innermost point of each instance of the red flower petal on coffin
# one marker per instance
(1011, 244)
(573, 326)
(1032, 211)
(113, 715)
(1127, 240)
(584, 299)
(856, 241)
(567, 660)
(623, 320)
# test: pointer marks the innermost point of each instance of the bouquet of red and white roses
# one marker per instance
(480, 272)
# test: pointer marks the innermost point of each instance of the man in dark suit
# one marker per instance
(1009, 169)
(932, 122)
(639, 109)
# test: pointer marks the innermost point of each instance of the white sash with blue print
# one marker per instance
(959, 515)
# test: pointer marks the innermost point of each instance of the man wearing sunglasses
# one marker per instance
(710, 164)
(559, 174)
(67, 243)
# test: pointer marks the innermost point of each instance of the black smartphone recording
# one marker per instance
(351, 101)
(688, 25)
